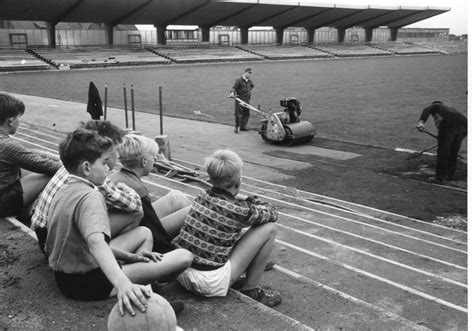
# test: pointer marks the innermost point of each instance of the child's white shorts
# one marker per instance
(213, 283)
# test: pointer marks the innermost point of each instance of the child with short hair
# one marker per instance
(165, 216)
(123, 203)
(79, 245)
(17, 193)
(212, 229)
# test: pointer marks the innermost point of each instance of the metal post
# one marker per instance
(125, 104)
(161, 111)
(133, 107)
(105, 102)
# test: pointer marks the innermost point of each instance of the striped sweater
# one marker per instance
(214, 223)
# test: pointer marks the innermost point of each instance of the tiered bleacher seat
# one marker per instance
(90, 57)
(347, 50)
(447, 46)
(19, 60)
(285, 52)
(205, 54)
(406, 48)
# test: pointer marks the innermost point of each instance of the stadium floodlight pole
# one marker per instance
(133, 106)
(125, 104)
(161, 110)
(105, 102)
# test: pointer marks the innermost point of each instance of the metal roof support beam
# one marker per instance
(337, 19)
(294, 23)
(130, 13)
(399, 18)
(223, 19)
(174, 19)
(73, 7)
(271, 16)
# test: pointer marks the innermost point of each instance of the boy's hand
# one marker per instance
(147, 256)
(132, 293)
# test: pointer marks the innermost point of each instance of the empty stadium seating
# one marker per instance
(18, 60)
(91, 57)
(205, 54)
(285, 52)
(43, 58)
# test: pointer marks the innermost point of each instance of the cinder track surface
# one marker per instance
(340, 264)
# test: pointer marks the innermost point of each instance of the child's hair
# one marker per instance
(133, 147)
(105, 129)
(224, 168)
(10, 107)
(82, 145)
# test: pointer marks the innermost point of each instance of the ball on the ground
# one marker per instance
(159, 315)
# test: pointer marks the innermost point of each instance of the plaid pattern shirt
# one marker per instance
(117, 197)
(14, 156)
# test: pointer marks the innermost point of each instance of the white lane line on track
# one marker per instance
(412, 325)
(364, 224)
(318, 196)
(355, 249)
(381, 279)
(30, 143)
(378, 257)
(44, 134)
(376, 219)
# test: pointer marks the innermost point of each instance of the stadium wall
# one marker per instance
(222, 36)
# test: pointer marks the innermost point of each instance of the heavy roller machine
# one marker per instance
(284, 128)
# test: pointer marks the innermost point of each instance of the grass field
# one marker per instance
(374, 101)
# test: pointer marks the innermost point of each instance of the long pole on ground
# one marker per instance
(161, 110)
(133, 107)
(105, 102)
(125, 105)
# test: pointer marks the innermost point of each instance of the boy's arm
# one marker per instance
(260, 212)
(31, 160)
(127, 293)
(128, 257)
(120, 196)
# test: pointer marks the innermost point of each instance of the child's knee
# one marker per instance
(186, 257)
(270, 230)
(145, 233)
(179, 198)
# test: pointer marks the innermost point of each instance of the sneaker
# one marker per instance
(268, 298)
(178, 306)
(236, 130)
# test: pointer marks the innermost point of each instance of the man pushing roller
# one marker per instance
(241, 89)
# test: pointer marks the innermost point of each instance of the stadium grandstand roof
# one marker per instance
(208, 13)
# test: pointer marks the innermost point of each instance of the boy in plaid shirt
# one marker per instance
(123, 203)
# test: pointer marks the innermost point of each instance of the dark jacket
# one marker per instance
(94, 104)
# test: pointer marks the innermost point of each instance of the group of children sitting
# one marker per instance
(103, 235)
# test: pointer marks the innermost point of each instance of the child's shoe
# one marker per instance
(268, 298)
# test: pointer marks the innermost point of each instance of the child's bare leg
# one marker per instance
(251, 254)
(124, 222)
(134, 241)
(172, 210)
(172, 223)
(32, 185)
(170, 203)
(171, 265)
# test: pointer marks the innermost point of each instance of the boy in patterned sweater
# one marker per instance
(212, 230)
